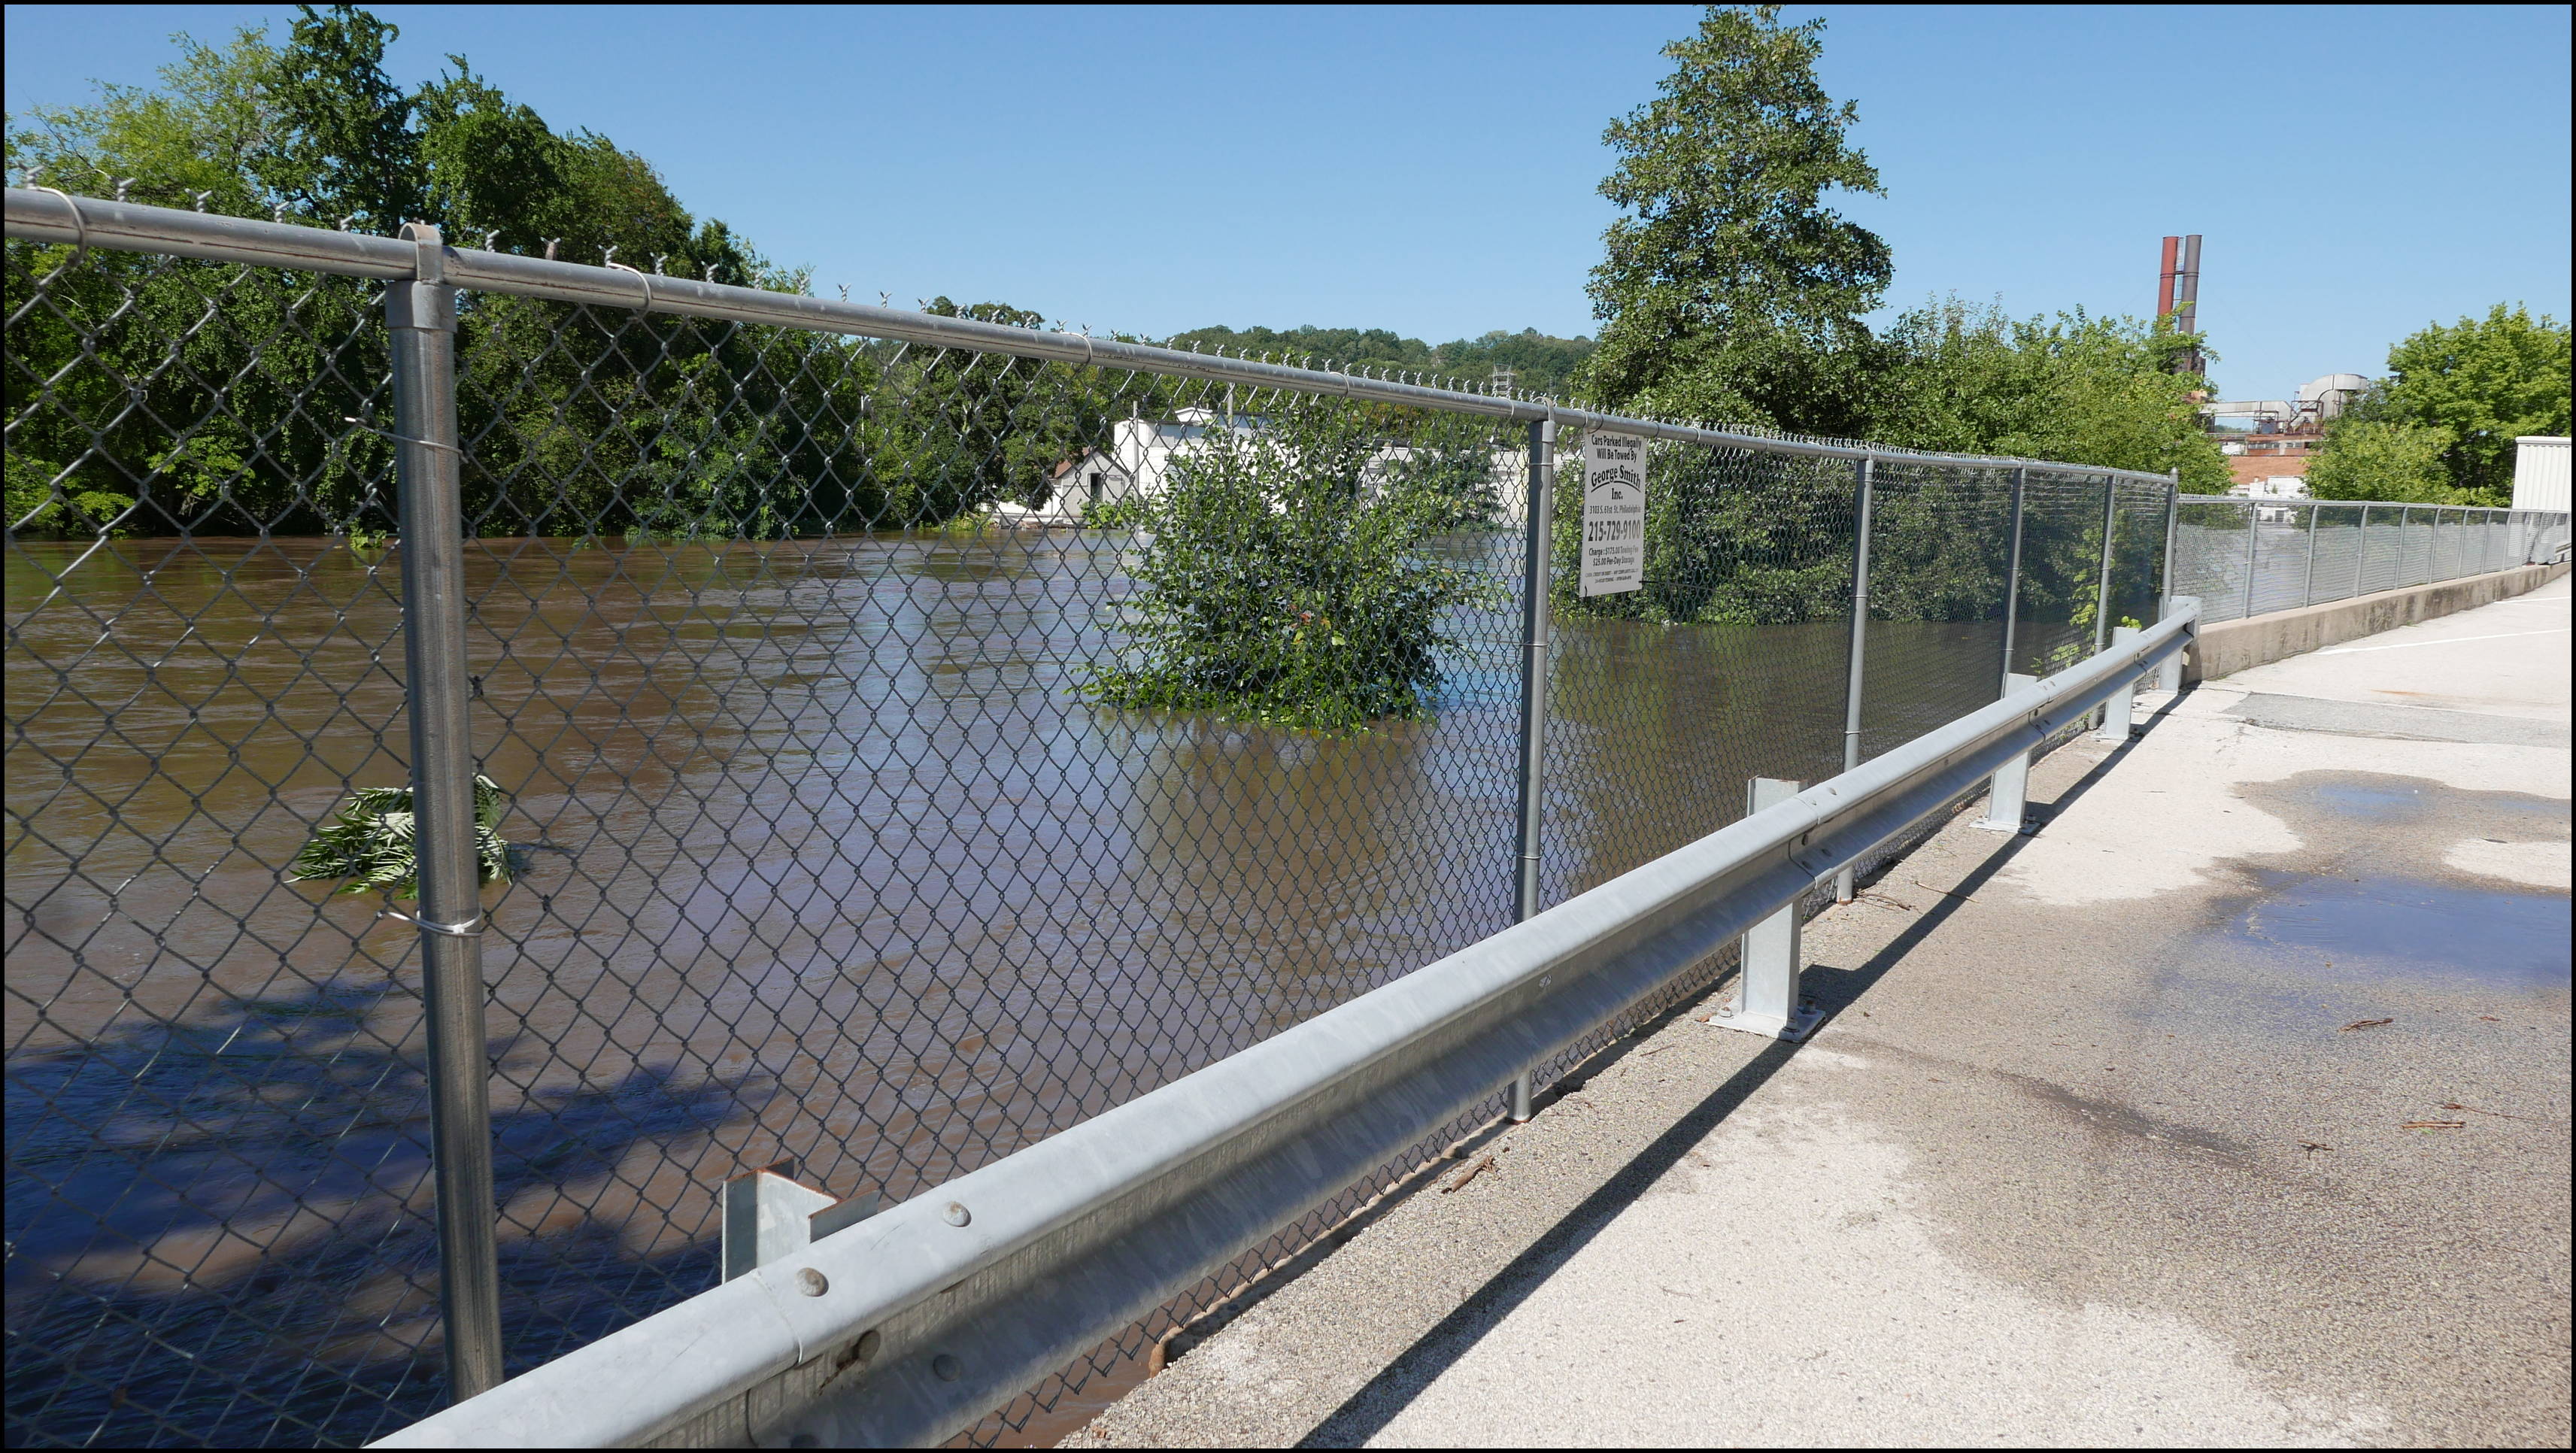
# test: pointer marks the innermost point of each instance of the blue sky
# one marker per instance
(2358, 172)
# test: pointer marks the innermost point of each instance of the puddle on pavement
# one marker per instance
(2408, 926)
(2369, 896)
(2371, 802)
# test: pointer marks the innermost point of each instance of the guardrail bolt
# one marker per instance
(812, 1283)
(957, 1214)
(948, 1367)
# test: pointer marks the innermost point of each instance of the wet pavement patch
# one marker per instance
(2368, 896)
(2376, 926)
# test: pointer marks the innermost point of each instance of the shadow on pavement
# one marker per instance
(1368, 1411)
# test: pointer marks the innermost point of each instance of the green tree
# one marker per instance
(1540, 364)
(345, 145)
(1376, 349)
(1275, 584)
(1730, 293)
(1959, 379)
(251, 433)
(2482, 381)
(2382, 459)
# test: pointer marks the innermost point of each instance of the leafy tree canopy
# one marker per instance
(2380, 459)
(316, 127)
(1730, 292)
(1539, 363)
(1960, 379)
(2484, 382)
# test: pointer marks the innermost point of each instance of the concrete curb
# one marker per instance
(2232, 646)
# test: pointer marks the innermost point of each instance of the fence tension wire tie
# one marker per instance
(403, 438)
(470, 928)
(80, 224)
(640, 276)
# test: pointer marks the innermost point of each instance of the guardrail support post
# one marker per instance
(1534, 628)
(2117, 712)
(2169, 675)
(1843, 881)
(2009, 794)
(420, 318)
(1766, 959)
(767, 1215)
(2361, 552)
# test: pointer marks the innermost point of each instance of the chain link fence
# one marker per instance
(905, 735)
(2252, 557)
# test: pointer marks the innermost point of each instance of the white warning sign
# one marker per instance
(1614, 513)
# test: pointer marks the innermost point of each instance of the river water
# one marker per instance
(824, 858)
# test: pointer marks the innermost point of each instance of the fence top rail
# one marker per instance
(46, 215)
(2250, 502)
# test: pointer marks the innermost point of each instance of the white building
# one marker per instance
(2276, 486)
(2539, 473)
(1138, 460)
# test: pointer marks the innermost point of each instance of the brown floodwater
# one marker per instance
(822, 855)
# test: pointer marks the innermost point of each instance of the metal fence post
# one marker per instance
(2361, 553)
(1843, 881)
(2253, 560)
(2102, 590)
(420, 317)
(2102, 583)
(2308, 586)
(1534, 621)
(2173, 517)
(2012, 570)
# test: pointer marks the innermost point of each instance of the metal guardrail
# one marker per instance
(911, 1326)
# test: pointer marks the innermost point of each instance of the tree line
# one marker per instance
(2439, 428)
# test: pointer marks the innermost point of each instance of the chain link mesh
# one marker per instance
(2248, 557)
(894, 772)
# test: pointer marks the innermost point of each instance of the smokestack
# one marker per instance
(2187, 296)
(2186, 304)
(2165, 281)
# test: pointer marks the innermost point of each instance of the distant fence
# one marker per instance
(828, 843)
(2245, 557)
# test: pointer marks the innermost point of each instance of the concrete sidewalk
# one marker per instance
(2230, 1106)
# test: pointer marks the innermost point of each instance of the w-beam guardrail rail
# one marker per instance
(909, 1327)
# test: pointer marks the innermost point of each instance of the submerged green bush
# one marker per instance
(1279, 582)
(369, 841)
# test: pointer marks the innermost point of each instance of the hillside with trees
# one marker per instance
(1540, 364)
